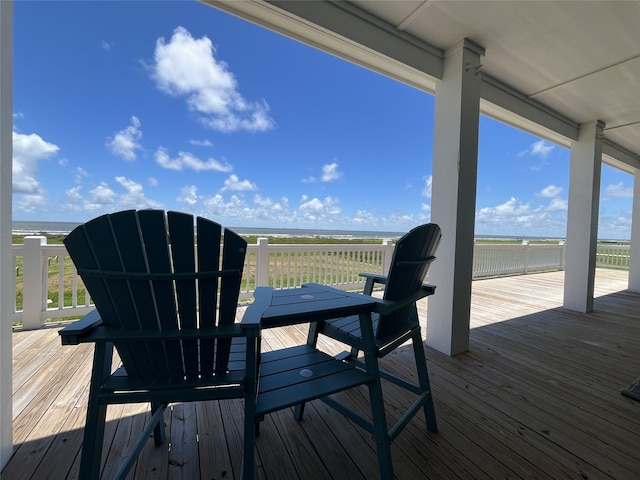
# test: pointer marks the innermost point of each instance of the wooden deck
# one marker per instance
(537, 396)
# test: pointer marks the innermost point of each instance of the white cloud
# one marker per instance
(31, 203)
(189, 195)
(188, 67)
(233, 183)
(267, 209)
(134, 196)
(201, 143)
(316, 209)
(428, 181)
(102, 195)
(330, 172)
(512, 208)
(550, 192)
(186, 160)
(100, 199)
(125, 143)
(106, 45)
(228, 213)
(103, 198)
(398, 220)
(152, 181)
(540, 149)
(27, 151)
(618, 190)
(509, 212)
(73, 200)
(365, 218)
(615, 225)
(80, 173)
(557, 205)
(514, 217)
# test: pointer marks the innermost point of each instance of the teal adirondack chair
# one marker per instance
(403, 286)
(167, 303)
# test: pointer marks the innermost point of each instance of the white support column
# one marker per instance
(7, 280)
(634, 262)
(582, 218)
(455, 169)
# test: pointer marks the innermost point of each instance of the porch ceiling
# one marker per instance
(548, 66)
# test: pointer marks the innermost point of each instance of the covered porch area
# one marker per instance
(536, 396)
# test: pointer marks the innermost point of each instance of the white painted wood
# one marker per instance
(582, 217)
(376, 47)
(34, 275)
(455, 165)
(634, 261)
(6, 258)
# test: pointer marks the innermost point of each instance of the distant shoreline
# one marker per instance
(63, 228)
(21, 228)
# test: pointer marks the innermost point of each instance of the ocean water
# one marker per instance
(27, 227)
(33, 228)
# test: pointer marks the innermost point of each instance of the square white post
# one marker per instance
(6, 259)
(634, 262)
(453, 200)
(262, 263)
(582, 218)
(34, 278)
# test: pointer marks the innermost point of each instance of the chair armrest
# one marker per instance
(115, 334)
(386, 307)
(71, 334)
(253, 314)
(376, 277)
(372, 279)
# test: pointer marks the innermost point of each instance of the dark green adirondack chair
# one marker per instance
(402, 288)
(167, 303)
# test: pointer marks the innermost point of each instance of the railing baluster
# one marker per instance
(60, 283)
(74, 285)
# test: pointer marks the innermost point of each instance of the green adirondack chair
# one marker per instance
(167, 303)
(403, 286)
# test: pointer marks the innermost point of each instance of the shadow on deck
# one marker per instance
(537, 396)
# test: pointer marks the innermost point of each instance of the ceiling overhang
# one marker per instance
(354, 34)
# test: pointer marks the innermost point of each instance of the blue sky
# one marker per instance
(176, 105)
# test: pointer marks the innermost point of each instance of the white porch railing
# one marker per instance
(48, 286)
(613, 256)
(491, 260)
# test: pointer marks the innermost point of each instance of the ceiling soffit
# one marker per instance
(549, 66)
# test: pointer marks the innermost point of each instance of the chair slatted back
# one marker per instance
(145, 270)
(412, 256)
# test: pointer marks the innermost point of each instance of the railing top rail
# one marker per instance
(359, 247)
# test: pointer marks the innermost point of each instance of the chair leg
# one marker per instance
(96, 414)
(298, 411)
(251, 421)
(248, 458)
(423, 379)
(312, 340)
(381, 433)
(92, 441)
(159, 433)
